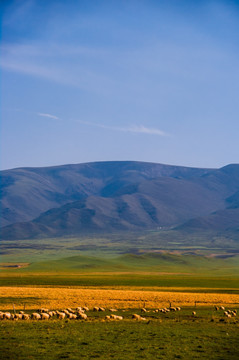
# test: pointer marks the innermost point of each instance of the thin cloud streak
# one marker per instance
(145, 130)
(48, 116)
(131, 129)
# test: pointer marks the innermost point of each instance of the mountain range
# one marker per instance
(97, 197)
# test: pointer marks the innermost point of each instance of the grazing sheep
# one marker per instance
(7, 316)
(61, 315)
(112, 310)
(107, 317)
(42, 310)
(113, 316)
(95, 308)
(21, 312)
(70, 310)
(216, 308)
(45, 316)
(116, 317)
(172, 308)
(25, 317)
(66, 312)
(73, 317)
(222, 308)
(136, 317)
(17, 317)
(178, 308)
(101, 309)
(194, 313)
(81, 316)
(35, 316)
(143, 310)
(85, 308)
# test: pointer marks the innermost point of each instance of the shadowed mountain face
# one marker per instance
(222, 220)
(112, 196)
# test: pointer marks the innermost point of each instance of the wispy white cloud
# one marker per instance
(145, 130)
(48, 116)
(129, 129)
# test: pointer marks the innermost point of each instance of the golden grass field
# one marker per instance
(124, 297)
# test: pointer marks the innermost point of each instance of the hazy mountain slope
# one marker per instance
(220, 221)
(120, 196)
(161, 202)
(27, 192)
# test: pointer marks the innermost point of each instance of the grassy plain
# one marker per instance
(128, 273)
(126, 297)
(162, 336)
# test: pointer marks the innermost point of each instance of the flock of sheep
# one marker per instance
(80, 313)
(227, 313)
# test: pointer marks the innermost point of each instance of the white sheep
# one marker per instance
(81, 316)
(61, 315)
(45, 316)
(73, 317)
(113, 316)
(25, 317)
(17, 317)
(136, 317)
(7, 316)
(35, 316)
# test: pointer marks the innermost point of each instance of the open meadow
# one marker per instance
(191, 333)
(202, 282)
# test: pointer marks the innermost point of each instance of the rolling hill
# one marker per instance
(117, 196)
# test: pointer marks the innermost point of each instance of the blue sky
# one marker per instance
(119, 80)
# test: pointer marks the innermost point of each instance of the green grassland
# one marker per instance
(146, 260)
(136, 259)
(145, 270)
(111, 245)
(162, 336)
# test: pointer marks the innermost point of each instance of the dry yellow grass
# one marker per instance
(60, 297)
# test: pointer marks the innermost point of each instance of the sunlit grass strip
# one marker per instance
(59, 297)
